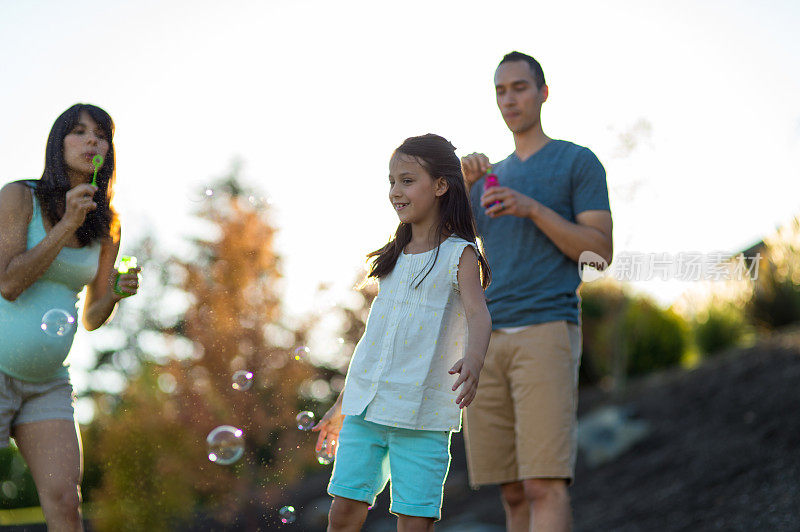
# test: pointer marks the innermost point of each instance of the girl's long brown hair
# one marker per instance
(438, 157)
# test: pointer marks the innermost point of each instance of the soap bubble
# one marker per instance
(324, 456)
(57, 322)
(167, 383)
(288, 514)
(9, 489)
(202, 194)
(259, 201)
(225, 445)
(300, 353)
(305, 420)
(242, 380)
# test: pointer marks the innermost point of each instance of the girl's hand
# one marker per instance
(128, 283)
(469, 371)
(79, 203)
(474, 167)
(329, 427)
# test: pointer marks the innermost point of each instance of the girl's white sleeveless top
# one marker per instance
(398, 374)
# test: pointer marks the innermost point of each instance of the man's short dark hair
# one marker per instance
(536, 68)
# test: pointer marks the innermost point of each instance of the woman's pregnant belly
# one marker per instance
(26, 351)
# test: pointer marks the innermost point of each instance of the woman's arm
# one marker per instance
(100, 296)
(21, 267)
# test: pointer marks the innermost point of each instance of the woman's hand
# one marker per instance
(128, 283)
(329, 427)
(79, 202)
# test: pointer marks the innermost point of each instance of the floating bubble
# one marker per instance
(259, 201)
(287, 514)
(300, 353)
(242, 380)
(225, 445)
(324, 455)
(202, 194)
(337, 383)
(9, 489)
(57, 322)
(320, 389)
(167, 383)
(305, 420)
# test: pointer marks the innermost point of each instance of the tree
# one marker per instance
(149, 441)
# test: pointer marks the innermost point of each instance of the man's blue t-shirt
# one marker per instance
(532, 280)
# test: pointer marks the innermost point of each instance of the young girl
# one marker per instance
(401, 400)
(59, 234)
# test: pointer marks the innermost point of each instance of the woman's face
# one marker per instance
(86, 140)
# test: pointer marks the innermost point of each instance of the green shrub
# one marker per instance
(775, 298)
(720, 327)
(654, 338)
(627, 335)
(17, 489)
(601, 306)
(775, 301)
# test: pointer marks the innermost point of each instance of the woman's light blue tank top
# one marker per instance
(26, 352)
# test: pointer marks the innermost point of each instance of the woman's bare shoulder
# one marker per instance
(17, 198)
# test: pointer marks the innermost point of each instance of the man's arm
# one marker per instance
(591, 232)
(592, 229)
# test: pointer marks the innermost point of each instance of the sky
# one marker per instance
(312, 97)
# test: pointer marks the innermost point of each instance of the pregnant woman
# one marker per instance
(58, 234)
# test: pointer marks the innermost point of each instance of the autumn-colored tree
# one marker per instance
(149, 442)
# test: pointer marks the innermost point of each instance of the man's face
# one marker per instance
(519, 100)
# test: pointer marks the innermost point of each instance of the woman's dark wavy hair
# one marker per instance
(437, 156)
(52, 187)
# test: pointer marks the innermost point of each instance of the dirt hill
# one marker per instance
(723, 454)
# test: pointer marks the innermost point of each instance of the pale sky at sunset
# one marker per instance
(314, 96)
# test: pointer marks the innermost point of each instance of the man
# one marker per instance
(551, 206)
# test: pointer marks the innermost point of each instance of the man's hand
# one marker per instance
(469, 370)
(502, 201)
(474, 166)
(329, 427)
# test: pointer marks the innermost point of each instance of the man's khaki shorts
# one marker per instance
(522, 423)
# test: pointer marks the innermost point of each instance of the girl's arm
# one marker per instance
(100, 296)
(21, 267)
(330, 425)
(479, 327)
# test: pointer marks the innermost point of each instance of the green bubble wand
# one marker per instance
(97, 161)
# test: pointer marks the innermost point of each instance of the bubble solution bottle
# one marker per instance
(491, 181)
(126, 264)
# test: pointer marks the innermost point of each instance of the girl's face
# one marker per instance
(413, 192)
(86, 140)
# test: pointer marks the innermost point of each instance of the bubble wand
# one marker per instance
(97, 161)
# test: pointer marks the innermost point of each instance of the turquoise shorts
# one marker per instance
(370, 454)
